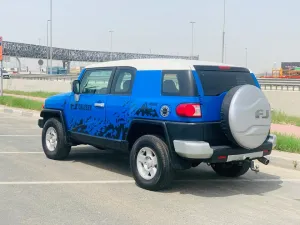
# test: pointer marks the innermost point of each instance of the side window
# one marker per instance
(123, 81)
(96, 81)
(170, 84)
(178, 83)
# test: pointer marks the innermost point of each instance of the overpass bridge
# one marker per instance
(22, 50)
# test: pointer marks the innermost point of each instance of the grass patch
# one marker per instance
(40, 94)
(20, 103)
(287, 143)
(282, 118)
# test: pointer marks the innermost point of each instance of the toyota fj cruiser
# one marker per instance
(169, 114)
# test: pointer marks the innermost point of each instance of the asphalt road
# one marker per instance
(96, 187)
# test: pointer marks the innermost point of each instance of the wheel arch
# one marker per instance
(140, 127)
(54, 113)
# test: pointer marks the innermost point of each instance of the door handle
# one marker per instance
(100, 105)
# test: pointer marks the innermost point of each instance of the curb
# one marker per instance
(21, 112)
(284, 162)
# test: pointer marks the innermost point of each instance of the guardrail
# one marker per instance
(281, 81)
(46, 77)
(265, 83)
(281, 87)
(279, 84)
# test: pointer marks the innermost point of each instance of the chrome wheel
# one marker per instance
(51, 139)
(147, 163)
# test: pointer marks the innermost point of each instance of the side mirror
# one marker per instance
(76, 87)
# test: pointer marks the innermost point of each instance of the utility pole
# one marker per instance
(51, 50)
(1, 66)
(47, 46)
(223, 38)
(192, 55)
(111, 33)
(1, 73)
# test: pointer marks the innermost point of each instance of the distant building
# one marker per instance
(290, 65)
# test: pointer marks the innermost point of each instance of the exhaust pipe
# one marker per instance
(263, 160)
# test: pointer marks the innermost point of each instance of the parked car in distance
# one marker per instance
(5, 74)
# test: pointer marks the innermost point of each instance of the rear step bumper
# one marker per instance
(202, 150)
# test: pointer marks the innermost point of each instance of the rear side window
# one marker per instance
(215, 82)
(178, 83)
(123, 81)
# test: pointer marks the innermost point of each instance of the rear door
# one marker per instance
(118, 104)
(215, 82)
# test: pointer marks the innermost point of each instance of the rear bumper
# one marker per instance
(201, 150)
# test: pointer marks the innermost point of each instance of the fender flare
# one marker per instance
(50, 113)
(178, 163)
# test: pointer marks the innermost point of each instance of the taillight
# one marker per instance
(222, 157)
(224, 67)
(189, 110)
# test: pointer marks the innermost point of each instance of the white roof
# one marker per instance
(157, 64)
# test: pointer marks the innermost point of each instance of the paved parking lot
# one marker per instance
(96, 187)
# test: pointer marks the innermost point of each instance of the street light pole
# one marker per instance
(51, 50)
(111, 33)
(225, 52)
(192, 55)
(47, 46)
(223, 38)
(246, 57)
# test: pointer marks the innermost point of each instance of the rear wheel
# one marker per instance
(53, 142)
(150, 163)
(235, 169)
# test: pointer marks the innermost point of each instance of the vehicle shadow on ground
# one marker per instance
(200, 181)
(203, 181)
(113, 161)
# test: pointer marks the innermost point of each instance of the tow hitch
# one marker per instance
(254, 167)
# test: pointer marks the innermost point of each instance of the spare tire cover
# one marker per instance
(246, 116)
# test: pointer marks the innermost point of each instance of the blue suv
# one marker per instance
(167, 114)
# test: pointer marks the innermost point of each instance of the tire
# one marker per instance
(246, 116)
(231, 169)
(162, 178)
(61, 150)
(99, 148)
(195, 164)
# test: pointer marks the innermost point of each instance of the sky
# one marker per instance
(269, 29)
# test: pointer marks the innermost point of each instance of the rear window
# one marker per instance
(178, 83)
(218, 81)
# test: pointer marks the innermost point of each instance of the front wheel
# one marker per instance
(235, 169)
(53, 142)
(150, 163)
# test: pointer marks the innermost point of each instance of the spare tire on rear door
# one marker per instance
(246, 116)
